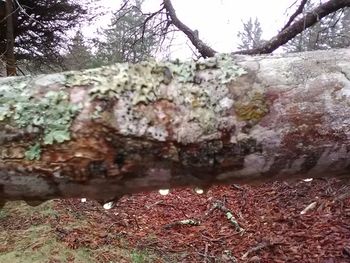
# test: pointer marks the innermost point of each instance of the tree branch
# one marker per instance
(295, 14)
(297, 27)
(202, 48)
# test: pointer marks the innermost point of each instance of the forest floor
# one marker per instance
(276, 222)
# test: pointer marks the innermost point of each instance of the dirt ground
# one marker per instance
(279, 222)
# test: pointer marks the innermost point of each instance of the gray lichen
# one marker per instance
(51, 114)
(197, 89)
(34, 152)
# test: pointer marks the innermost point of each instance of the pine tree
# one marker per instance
(126, 38)
(79, 56)
(40, 29)
(250, 36)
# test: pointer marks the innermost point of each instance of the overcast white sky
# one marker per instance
(218, 21)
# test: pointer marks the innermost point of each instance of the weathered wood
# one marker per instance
(122, 129)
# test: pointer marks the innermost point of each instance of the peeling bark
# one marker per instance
(107, 132)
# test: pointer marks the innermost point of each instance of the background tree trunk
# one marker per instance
(10, 41)
(106, 132)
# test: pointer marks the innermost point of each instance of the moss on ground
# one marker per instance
(38, 242)
(28, 235)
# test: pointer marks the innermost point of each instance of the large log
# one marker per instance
(106, 132)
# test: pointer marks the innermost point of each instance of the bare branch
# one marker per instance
(122, 8)
(295, 14)
(297, 27)
(148, 18)
(203, 49)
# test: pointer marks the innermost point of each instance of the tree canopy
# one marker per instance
(40, 29)
(43, 30)
(127, 38)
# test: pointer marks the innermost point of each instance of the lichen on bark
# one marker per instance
(196, 90)
(49, 114)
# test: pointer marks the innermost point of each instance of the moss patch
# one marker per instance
(38, 244)
(24, 238)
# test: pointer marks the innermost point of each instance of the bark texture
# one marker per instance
(10, 40)
(107, 132)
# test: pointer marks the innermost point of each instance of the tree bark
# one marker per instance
(10, 40)
(106, 132)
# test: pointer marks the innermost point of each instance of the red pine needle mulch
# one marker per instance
(270, 214)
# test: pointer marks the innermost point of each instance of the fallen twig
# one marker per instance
(260, 247)
(191, 222)
(236, 186)
(255, 249)
(154, 204)
(137, 223)
(346, 250)
(206, 252)
(219, 205)
(228, 257)
(308, 208)
(344, 195)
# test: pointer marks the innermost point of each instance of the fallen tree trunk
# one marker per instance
(106, 132)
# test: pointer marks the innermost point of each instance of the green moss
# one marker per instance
(143, 256)
(3, 214)
(48, 248)
(39, 242)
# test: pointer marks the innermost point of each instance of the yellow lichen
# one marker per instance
(254, 109)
